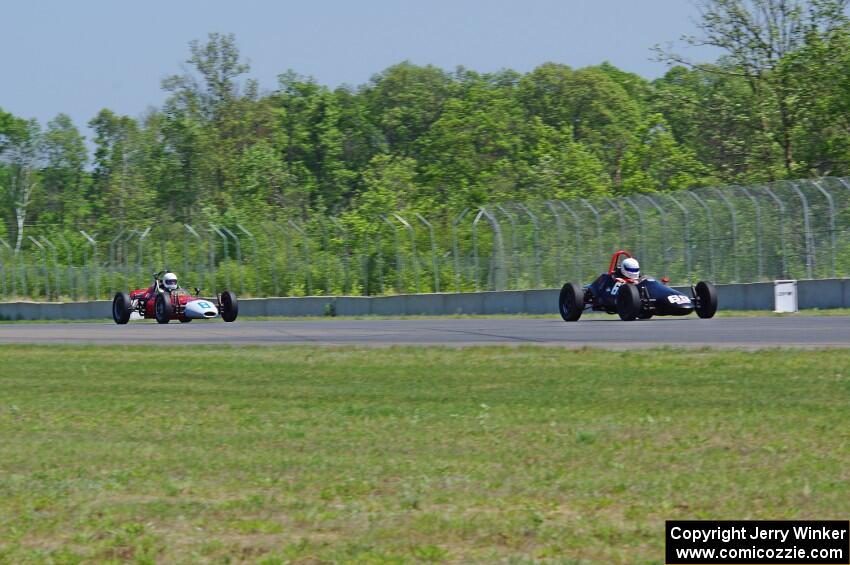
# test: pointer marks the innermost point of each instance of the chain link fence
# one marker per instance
(789, 229)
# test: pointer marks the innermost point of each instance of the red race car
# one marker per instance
(164, 301)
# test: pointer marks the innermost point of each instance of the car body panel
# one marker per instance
(185, 306)
(663, 300)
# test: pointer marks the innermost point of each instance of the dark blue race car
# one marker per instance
(634, 299)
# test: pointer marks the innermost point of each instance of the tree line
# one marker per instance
(775, 106)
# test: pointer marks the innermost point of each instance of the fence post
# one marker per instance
(205, 276)
(599, 246)
(112, 259)
(364, 264)
(140, 255)
(621, 223)
(45, 268)
(807, 228)
(21, 267)
(126, 269)
(3, 267)
(305, 244)
(69, 269)
(223, 237)
(664, 245)
(379, 260)
(345, 266)
(734, 218)
(781, 206)
(455, 224)
(686, 225)
(58, 273)
(496, 268)
(475, 249)
(578, 261)
(412, 232)
(253, 239)
(832, 234)
(112, 242)
(710, 222)
(514, 262)
(538, 275)
(433, 251)
(559, 233)
(239, 265)
(93, 244)
(641, 235)
(398, 262)
(757, 208)
(272, 259)
(497, 263)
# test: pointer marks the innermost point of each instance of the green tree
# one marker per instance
(405, 100)
(599, 111)
(116, 192)
(470, 155)
(757, 35)
(658, 163)
(64, 175)
(21, 155)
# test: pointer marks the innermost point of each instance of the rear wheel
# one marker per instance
(229, 306)
(706, 299)
(121, 308)
(628, 302)
(571, 302)
(162, 308)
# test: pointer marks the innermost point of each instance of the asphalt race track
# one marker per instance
(607, 332)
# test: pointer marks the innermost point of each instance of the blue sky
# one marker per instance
(79, 57)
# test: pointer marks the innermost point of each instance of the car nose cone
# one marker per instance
(200, 309)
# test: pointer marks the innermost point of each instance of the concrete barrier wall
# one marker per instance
(824, 294)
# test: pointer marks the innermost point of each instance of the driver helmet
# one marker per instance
(630, 268)
(169, 281)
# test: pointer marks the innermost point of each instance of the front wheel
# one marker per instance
(628, 302)
(571, 302)
(229, 306)
(121, 308)
(706, 299)
(162, 308)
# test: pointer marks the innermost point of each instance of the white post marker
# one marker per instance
(785, 296)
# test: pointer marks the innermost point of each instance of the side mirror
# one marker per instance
(197, 291)
(665, 280)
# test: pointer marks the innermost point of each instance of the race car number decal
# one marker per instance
(616, 288)
(204, 304)
(678, 299)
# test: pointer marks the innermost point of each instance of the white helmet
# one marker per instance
(630, 268)
(169, 281)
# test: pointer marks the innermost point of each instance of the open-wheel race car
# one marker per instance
(164, 301)
(623, 291)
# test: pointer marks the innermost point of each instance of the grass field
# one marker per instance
(313, 455)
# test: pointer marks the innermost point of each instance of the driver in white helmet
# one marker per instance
(629, 270)
(169, 281)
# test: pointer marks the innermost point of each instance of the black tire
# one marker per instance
(705, 296)
(185, 320)
(628, 302)
(162, 308)
(229, 306)
(646, 315)
(571, 302)
(121, 308)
